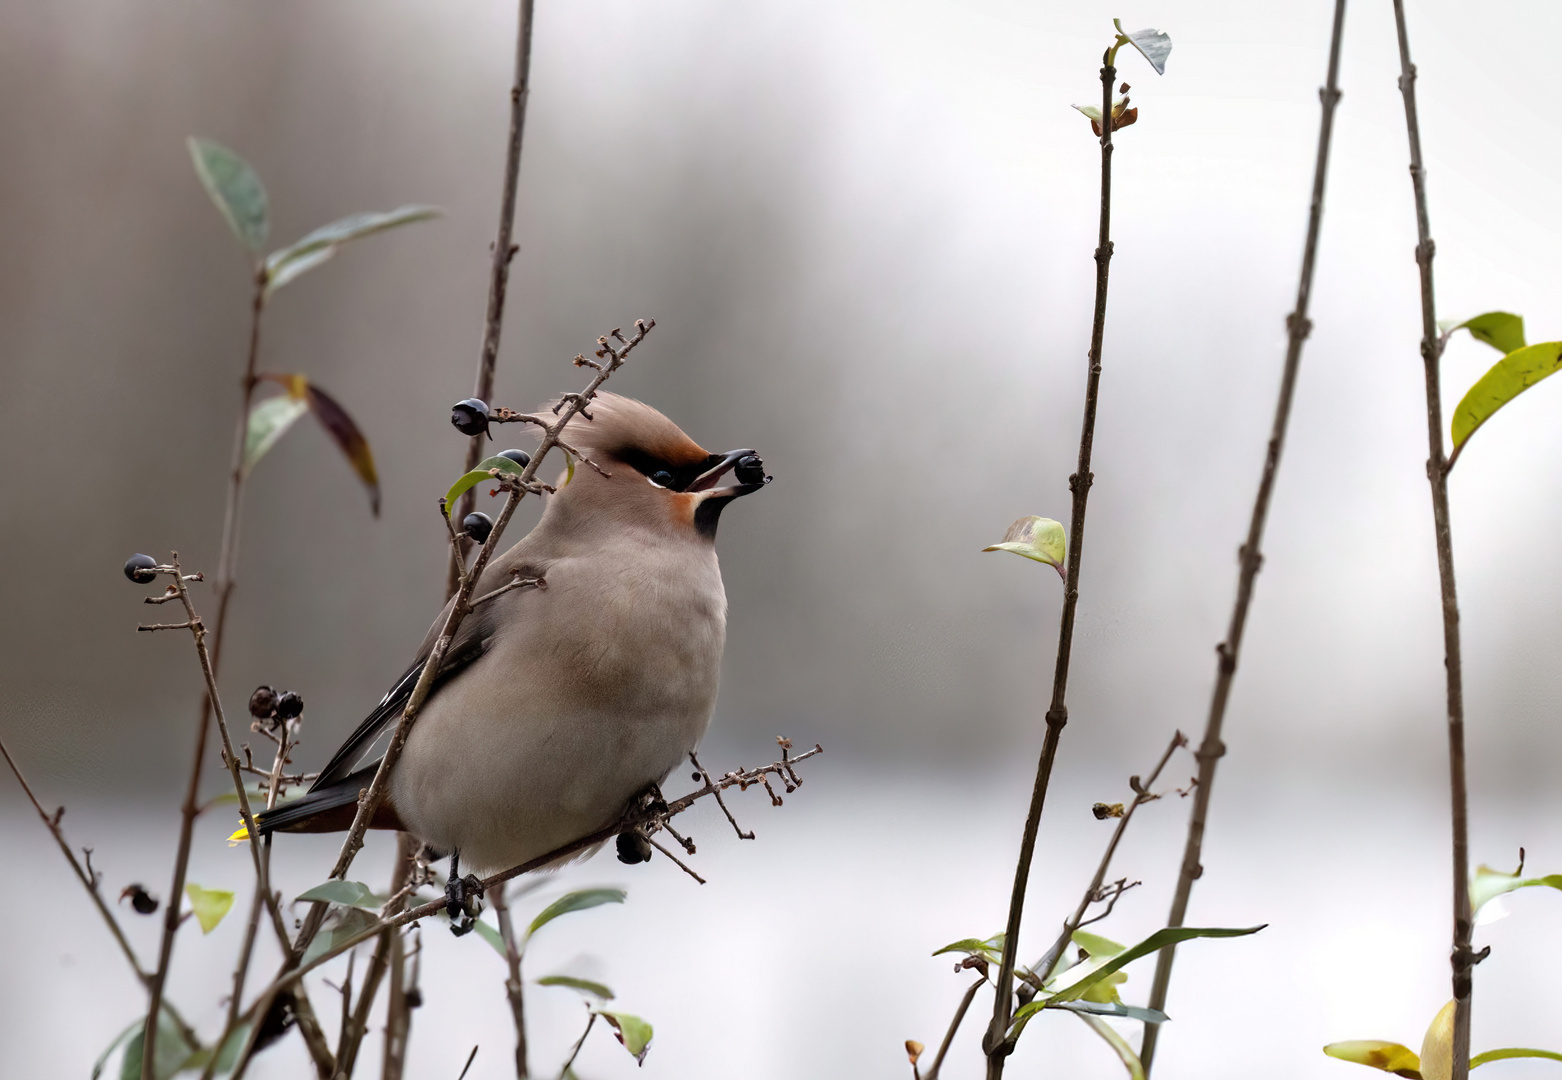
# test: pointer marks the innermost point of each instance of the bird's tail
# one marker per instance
(327, 809)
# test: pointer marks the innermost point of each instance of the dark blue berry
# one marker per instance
(263, 703)
(289, 705)
(633, 847)
(477, 526)
(750, 470)
(138, 568)
(470, 417)
(144, 902)
(520, 457)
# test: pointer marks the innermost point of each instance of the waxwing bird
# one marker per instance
(557, 705)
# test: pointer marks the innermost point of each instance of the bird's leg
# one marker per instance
(463, 897)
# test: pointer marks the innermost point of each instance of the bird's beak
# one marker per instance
(746, 467)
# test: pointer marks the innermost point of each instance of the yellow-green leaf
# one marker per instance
(478, 475)
(1114, 1039)
(1036, 538)
(235, 188)
(575, 901)
(990, 950)
(1487, 884)
(1507, 379)
(632, 1031)
(209, 905)
(1501, 330)
(1513, 1052)
(1437, 1049)
(1390, 1057)
(268, 422)
(585, 986)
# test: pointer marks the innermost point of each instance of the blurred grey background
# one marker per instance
(864, 229)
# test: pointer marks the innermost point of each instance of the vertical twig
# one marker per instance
(499, 274)
(398, 1006)
(1211, 749)
(949, 1033)
(996, 1044)
(512, 985)
(1462, 958)
(574, 1053)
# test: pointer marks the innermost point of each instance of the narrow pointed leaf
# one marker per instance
(347, 893)
(209, 905)
(1390, 1057)
(575, 901)
(268, 422)
(1119, 1045)
(478, 475)
(1154, 45)
(1501, 330)
(1035, 538)
(1437, 1049)
(632, 1031)
(492, 936)
(1513, 1052)
(1507, 379)
(344, 432)
(1092, 111)
(1116, 1008)
(236, 189)
(1079, 979)
(1488, 884)
(346, 923)
(285, 264)
(585, 986)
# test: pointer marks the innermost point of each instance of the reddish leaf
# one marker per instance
(344, 431)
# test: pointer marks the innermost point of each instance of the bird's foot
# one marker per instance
(463, 903)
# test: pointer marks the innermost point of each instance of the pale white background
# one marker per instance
(865, 230)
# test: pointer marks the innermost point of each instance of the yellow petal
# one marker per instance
(239, 837)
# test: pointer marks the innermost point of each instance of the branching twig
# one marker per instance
(995, 1044)
(1462, 957)
(1211, 749)
(591, 1018)
(954, 1026)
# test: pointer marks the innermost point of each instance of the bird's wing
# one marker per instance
(471, 641)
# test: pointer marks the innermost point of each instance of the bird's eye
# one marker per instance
(662, 478)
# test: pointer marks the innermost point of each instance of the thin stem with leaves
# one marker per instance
(996, 1045)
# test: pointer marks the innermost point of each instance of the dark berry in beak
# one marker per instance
(477, 526)
(470, 417)
(138, 568)
(144, 902)
(750, 470)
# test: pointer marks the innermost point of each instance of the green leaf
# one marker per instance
(1119, 1045)
(632, 1031)
(1488, 884)
(1079, 979)
(108, 1051)
(209, 905)
(1036, 538)
(1513, 1052)
(1390, 1057)
(585, 986)
(575, 901)
(227, 1057)
(268, 422)
(492, 936)
(478, 475)
(347, 893)
(1499, 329)
(1154, 45)
(348, 922)
(286, 264)
(1096, 945)
(235, 188)
(990, 950)
(172, 1051)
(1507, 379)
(344, 432)
(1115, 1008)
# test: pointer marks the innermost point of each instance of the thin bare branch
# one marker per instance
(513, 987)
